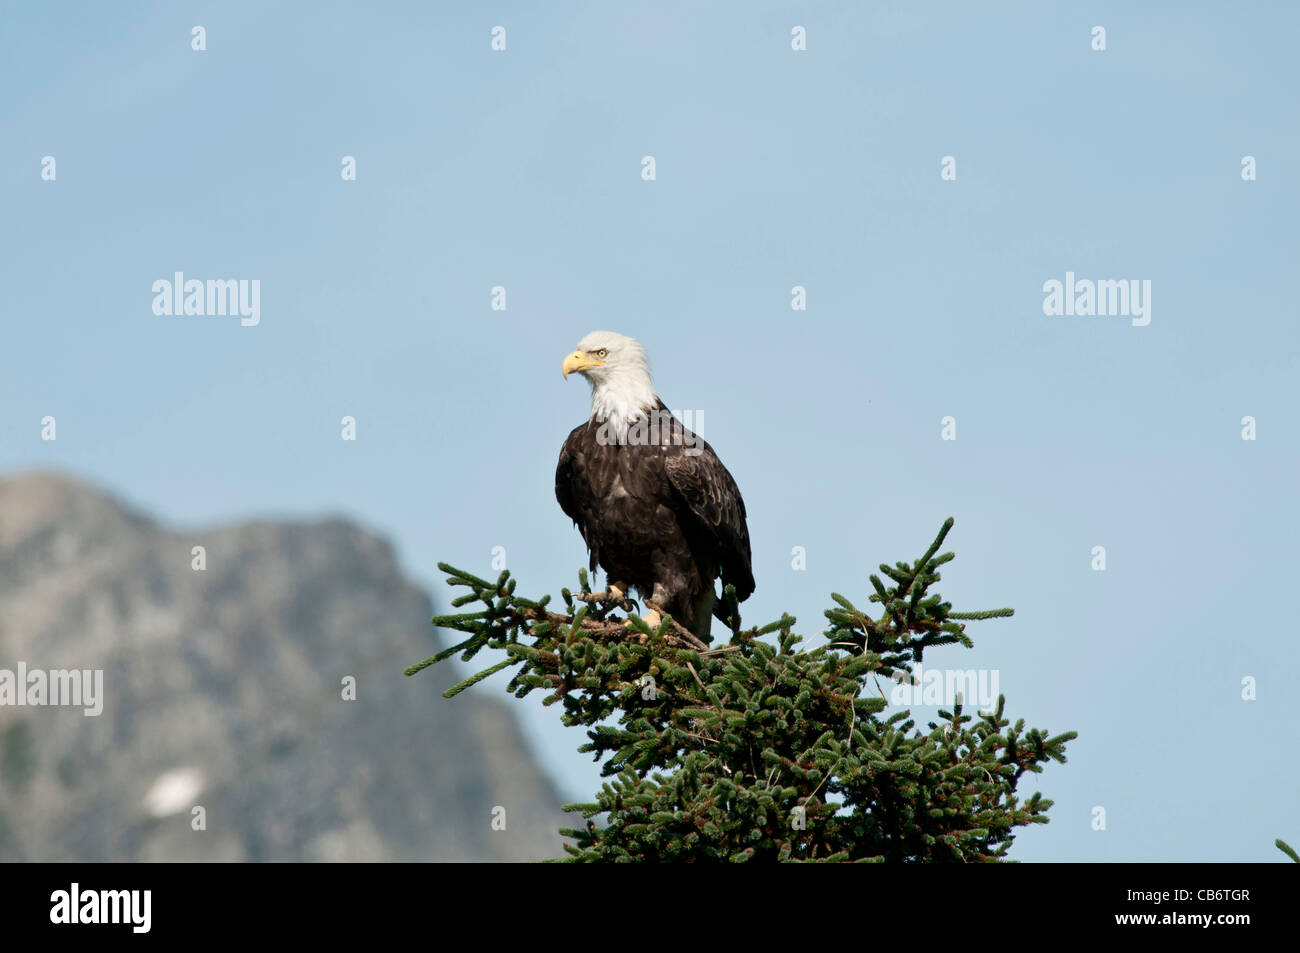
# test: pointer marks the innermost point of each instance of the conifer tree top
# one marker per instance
(761, 748)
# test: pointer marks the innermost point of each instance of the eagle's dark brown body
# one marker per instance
(659, 512)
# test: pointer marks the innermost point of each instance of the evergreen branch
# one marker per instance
(986, 614)
(475, 679)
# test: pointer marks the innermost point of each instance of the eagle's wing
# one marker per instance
(567, 493)
(707, 488)
(564, 479)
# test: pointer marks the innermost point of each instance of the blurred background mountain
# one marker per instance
(223, 689)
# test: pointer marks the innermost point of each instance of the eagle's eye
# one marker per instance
(601, 353)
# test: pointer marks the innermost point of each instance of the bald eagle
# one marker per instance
(653, 502)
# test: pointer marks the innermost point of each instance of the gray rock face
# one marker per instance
(223, 689)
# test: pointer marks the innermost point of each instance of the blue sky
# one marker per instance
(774, 168)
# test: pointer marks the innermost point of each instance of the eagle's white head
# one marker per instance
(615, 365)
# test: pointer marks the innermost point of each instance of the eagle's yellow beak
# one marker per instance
(577, 361)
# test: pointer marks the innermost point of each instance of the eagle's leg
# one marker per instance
(655, 602)
(614, 592)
